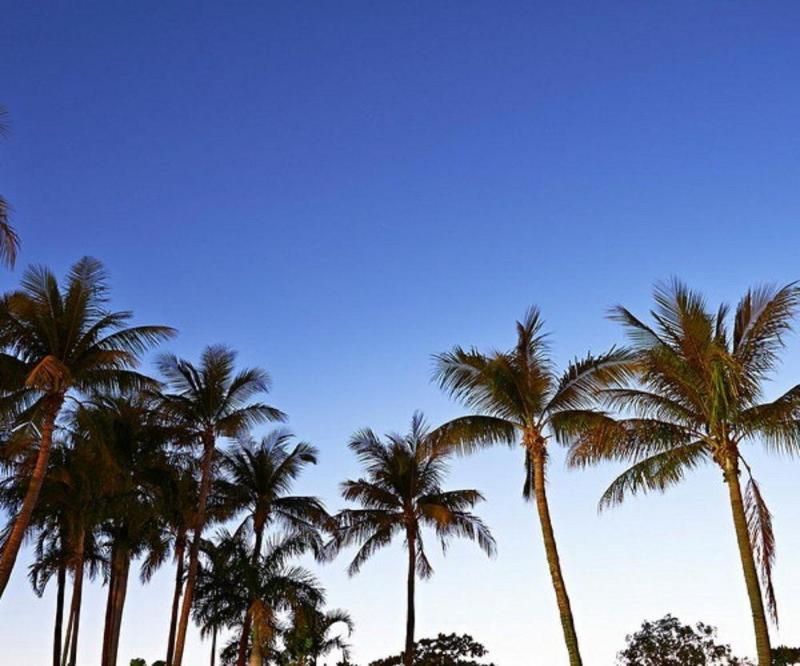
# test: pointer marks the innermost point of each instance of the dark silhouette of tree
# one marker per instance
(667, 642)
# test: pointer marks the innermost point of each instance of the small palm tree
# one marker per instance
(233, 584)
(312, 635)
(697, 397)
(518, 395)
(9, 240)
(58, 340)
(401, 494)
(209, 401)
(258, 478)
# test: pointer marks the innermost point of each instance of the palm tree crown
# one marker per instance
(9, 240)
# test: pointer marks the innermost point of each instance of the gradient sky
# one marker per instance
(340, 189)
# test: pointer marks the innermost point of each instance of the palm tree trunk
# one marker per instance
(77, 594)
(13, 543)
(61, 580)
(67, 638)
(214, 645)
(408, 655)
(112, 588)
(551, 550)
(748, 563)
(180, 550)
(194, 550)
(256, 658)
(119, 605)
(241, 657)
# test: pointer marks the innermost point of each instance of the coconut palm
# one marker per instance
(129, 442)
(177, 496)
(312, 635)
(698, 397)
(400, 494)
(209, 401)
(518, 396)
(258, 478)
(62, 525)
(9, 240)
(233, 584)
(56, 340)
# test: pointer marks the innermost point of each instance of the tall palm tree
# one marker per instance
(698, 397)
(209, 401)
(177, 495)
(258, 478)
(129, 441)
(54, 341)
(518, 396)
(402, 493)
(9, 240)
(62, 525)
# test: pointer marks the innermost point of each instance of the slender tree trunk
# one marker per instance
(77, 594)
(241, 657)
(11, 547)
(763, 650)
(256, 658)
(112, 588)
(61, 581)
(194, 550)
(67, 637)
(180, 551)
(408, 655)
(119, 605)
(551, 550)
(214, 646)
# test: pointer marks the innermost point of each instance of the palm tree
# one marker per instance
(177, 495)
(518, 395)
(310, 637)
(258, 478)
(209, 401)
(55, 341)
(9, 240)
(401, 494)
(233, 584)
(698, 397)
(129, 441)
(63, 524)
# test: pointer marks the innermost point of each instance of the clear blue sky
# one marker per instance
(340, 189)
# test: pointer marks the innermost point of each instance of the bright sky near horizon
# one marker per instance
(340, 189)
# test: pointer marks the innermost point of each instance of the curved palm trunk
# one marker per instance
(194, 550)
(13, 543)
(77, 595)
(408, 655)
(67, 639)
(241, 657)
(551, 550)
(763, 649)
(61, 581)
(180, 551)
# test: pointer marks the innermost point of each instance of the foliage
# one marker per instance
(667, 642)
(785, 656)
(444, 650)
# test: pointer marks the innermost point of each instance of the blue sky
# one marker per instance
(340, 189)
